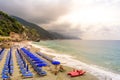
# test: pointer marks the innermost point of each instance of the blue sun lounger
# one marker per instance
(48, 58)
(22, 64)
(8, 66)
(35, 61)
(5, 76)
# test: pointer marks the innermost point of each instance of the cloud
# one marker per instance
(66, 28)
(102, 32)
(37, 11)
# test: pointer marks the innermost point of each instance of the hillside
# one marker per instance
(9, 24)
(30, 30)
(61, 36)
(42, 32)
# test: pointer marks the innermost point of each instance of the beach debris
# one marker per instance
(61, 69)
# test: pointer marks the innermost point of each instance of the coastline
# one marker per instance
(69, 61)
(60, 76)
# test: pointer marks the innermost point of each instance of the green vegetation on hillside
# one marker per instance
(32, 34)
(44, 34)
(9, 24)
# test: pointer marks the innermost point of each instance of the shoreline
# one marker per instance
(69, 61)
(50, 75)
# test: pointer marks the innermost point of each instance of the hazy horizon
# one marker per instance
(87, 19)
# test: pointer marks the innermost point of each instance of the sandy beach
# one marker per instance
(50, 76)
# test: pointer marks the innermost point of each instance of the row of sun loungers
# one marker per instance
(22, 55)
(8, 66)
(74, 73)
(44, 56)
(1, 53)
(35, 61)
(48, 58)
(23, 65)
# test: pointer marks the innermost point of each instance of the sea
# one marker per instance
(105, 54)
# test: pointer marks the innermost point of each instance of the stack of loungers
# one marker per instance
(1, 53)
(23, 66)
(48, 58)
(36, 62)
(8, 66)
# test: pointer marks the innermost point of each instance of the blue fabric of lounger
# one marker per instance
(4, 76)
(41, 65)
(55, 62)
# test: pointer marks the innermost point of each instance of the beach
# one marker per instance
(50, 76)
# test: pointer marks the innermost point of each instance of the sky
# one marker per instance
(87, 19)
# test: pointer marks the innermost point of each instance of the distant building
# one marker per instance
(4, 38)
(15, 36)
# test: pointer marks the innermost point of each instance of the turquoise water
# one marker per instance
(105, 54)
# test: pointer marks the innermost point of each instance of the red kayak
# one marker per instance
(76, 73)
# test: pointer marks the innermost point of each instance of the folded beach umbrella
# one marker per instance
(55, 62)
(24, 64)
(41, 65)
(9, 68)
(1, 51)
(35, 58)
(27, 68)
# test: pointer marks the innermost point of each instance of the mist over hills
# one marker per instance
(32, 31)
(44, 34)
